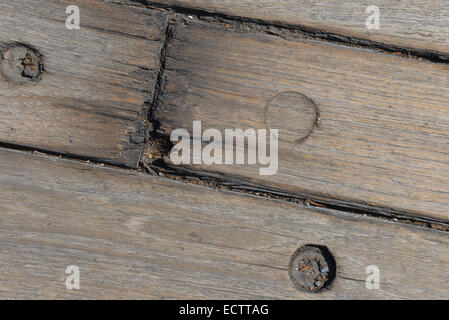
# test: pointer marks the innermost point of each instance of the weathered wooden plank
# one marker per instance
(382, 136)
(414, 24)
(136, 236)
(90, 99)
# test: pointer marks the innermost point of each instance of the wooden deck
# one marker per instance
(85, 173)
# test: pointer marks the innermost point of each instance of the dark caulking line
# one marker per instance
(156, 144)
(65, 156)
(218, 181)
(285, 30)
(162, 58)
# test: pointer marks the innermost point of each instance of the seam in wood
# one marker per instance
(146, 122)
(156, 144)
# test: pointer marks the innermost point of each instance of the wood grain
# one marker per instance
(136, 236)
(414, 24)
(382, 135)
(91, 98)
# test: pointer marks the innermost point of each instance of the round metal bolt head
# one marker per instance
(21, 64)
(312, 268)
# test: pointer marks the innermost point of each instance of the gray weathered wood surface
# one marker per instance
(355, 125)
(90, 100)
(383, 130)
(135, 236)
(416, 24)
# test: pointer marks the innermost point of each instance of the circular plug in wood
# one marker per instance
(293, 114)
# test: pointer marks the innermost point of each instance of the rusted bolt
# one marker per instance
(312, 268)
(21, 64)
